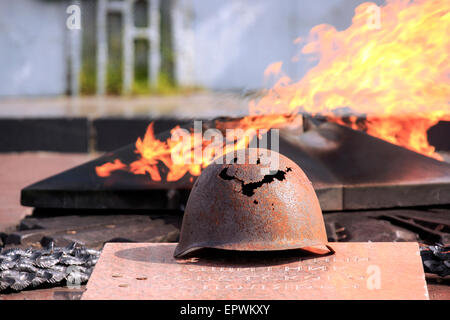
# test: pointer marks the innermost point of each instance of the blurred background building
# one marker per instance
(153, 46)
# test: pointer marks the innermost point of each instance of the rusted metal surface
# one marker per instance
(237, 207)
(351, 273)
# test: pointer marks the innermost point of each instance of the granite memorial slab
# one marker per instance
(369, 270)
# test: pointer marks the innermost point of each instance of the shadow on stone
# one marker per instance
(219, 257)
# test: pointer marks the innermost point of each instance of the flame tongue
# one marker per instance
(106, 169)
(178, 157)
(407, 131)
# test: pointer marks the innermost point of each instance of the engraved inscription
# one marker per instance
(300, 275)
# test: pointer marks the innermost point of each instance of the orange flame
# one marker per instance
(106, 169)
(178, 157)
(396, 75)
(273, 69)
(153, 150)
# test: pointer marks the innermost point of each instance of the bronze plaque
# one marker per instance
(383, 270)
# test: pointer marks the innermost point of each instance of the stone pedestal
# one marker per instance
(355, 271)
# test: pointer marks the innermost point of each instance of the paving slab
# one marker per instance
(356, 271)
(20, 169)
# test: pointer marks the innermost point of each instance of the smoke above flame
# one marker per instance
(390, 79)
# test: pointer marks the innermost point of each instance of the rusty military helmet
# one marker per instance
(250, 207)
